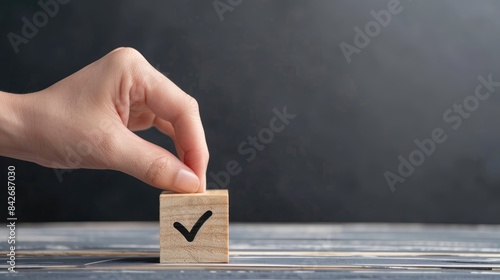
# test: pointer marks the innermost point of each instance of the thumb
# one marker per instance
(152, 164)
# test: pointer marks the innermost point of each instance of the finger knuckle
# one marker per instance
(125, 56)
(157, 173)
(204, 155)
(193, 104)
(207, 155)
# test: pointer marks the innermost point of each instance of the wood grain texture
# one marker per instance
(211, 243)
(265, 251)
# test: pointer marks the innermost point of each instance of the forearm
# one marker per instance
(14, 111)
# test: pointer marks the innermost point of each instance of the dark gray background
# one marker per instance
(353, 119)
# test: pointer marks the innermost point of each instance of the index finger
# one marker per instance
(172, 104)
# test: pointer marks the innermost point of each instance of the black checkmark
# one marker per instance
(190, 235)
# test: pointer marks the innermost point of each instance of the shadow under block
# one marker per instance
(194, 228)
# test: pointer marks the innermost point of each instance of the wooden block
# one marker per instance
(194, 228)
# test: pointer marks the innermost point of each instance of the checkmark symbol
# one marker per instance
(190, 235)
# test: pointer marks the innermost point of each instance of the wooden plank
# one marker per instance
(194, 228)
(277, 251)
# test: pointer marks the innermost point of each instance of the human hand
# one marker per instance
(86, 121)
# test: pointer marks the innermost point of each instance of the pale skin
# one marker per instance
(87, 121)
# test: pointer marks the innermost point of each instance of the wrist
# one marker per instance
(14, 119)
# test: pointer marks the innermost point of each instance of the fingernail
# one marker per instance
(187, 181)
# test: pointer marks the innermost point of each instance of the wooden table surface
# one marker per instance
(272, 251)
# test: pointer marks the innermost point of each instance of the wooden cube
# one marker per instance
(194, 228)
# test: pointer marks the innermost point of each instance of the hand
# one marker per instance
(87, 119)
